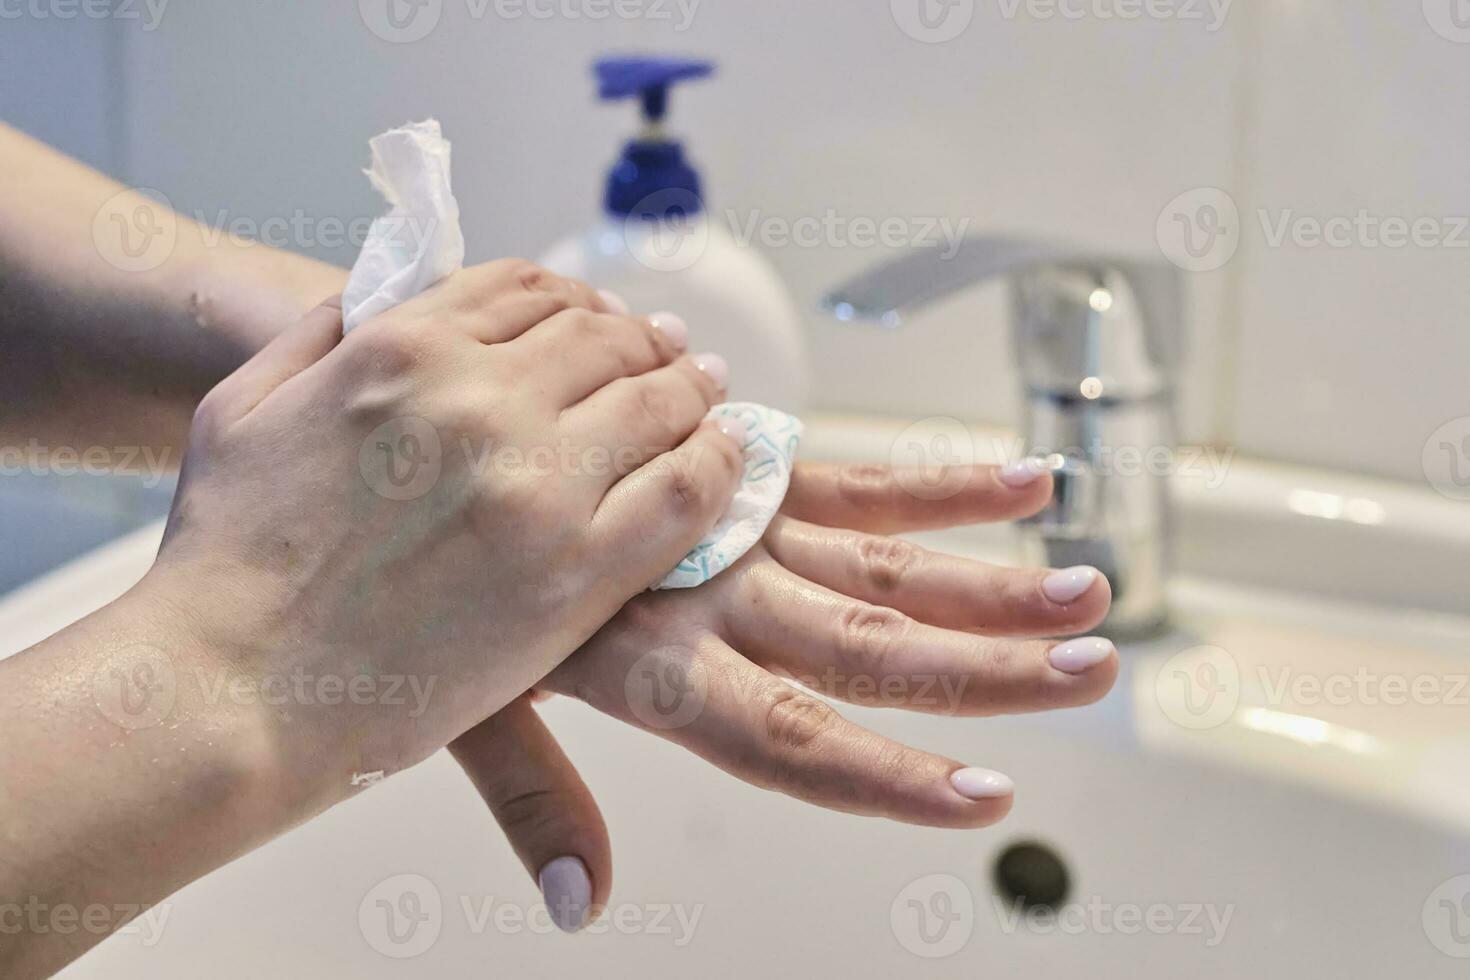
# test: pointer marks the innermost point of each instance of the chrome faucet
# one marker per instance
(1098, 339)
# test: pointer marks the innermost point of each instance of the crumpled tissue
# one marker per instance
(418, 242)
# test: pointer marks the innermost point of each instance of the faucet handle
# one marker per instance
(920, 277)
(1080, 314)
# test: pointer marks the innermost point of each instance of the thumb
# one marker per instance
(291, 352)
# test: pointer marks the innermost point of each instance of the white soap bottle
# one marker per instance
(657, 248)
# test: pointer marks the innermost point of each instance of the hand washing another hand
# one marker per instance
(293, 550)
(287, 548)
(483, 582)
(468, 497)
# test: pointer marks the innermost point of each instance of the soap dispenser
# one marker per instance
(658, 247)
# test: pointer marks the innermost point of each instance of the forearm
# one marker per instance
(125, 778)
(114, 346)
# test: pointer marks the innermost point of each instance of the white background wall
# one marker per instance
(1087, 128)
(62, 80)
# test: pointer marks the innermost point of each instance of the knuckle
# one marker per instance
(650, 344)
(868, 634)
(1003, 665)
(704, 385)
(683, 488)
(527, 811)
(466, 421)
(554, 304)
(654, 410)
(864, 483)
(649, 615)
(515, 267)
(628, 355)
(387, 346)
(887, 563)
(584, 325)
(519, 499)
(371, 401)
(535, 279)
(730, 459)
(794, 720)
(211, 415)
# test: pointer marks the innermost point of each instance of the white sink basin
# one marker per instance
(1217, 817)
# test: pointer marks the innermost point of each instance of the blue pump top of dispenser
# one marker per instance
(652, 179)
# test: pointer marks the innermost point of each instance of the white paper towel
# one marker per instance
(418, 242)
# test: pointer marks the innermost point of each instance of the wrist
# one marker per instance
(110, 709)
(245, 671)
(185, 684)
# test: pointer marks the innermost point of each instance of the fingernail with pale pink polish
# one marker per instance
(981, 784)
(1080, 656)
(734, 427)
(1069, 584)
(1024, 473)
(614, 303)
(672, 326)
(716, 367)
(566, 887)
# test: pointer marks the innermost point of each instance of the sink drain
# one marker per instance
(1032, 875)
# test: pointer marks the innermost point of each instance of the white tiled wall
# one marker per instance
(59, 81)
(1077, 129)
(1354, 356)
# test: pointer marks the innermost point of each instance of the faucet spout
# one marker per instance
(1098, 340)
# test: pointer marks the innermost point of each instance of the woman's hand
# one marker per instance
(463, 490)
(447, 502)
(867, 619)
